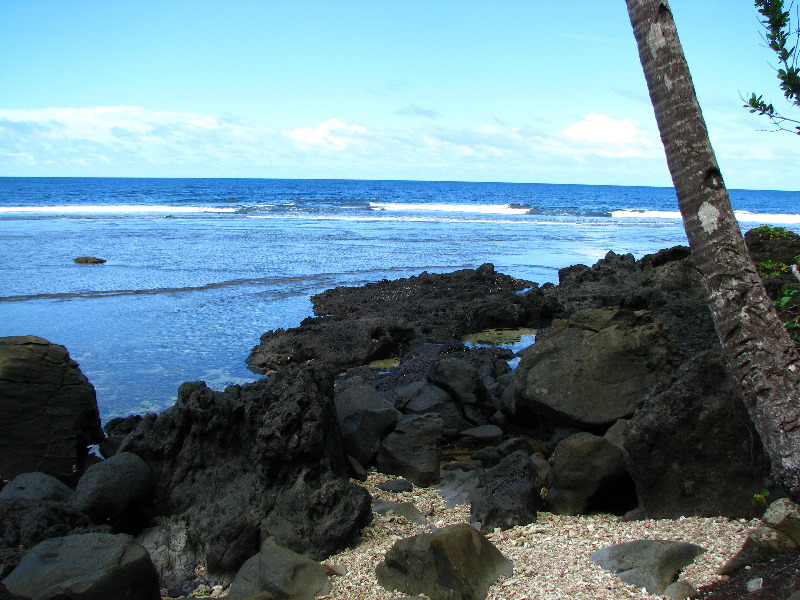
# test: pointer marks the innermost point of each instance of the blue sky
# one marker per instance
(510, 90)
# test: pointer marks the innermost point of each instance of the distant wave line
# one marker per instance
(393, 211)
(497, 209)
(255, 281)
(115, 209)
(743, 216)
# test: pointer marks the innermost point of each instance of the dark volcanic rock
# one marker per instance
(364, 417)
(381, 320)
(116, 431)
(49, 410)
(492, 455)
(651, 564)
(111, 487)
(36, 486)
(460, 384)
(584, 466)
(665, 283)
(764, 246)
(413, 450)
(24, 523)
(482, 436)
(280, 573)
(454, 563)
(594, 367)
(260, 460)
(507, 494)
(339, 341)
(421, 398)
(90, 566)
(88, 260)
(692, 449)
(464, 384)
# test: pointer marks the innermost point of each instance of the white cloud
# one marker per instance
(608, 136)
(124, 136)
(333, 132)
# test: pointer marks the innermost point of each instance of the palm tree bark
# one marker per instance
(759, 352)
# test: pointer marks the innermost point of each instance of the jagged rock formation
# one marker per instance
(232, 468)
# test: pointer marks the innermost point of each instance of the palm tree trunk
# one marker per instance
(758, 350)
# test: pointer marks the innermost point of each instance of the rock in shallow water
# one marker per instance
(89, 260)
(357, 325)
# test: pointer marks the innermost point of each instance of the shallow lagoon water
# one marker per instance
(198, 269)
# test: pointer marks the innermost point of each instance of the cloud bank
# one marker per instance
(133, 141)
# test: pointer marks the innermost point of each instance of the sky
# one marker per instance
(467, 90)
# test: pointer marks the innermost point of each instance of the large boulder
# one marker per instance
(462, 381)
(453, 563)
(111, 487)
(90, 566)
(36, 486)
(277, 572)
(692, 449)
(507, 494)
(594, 367)
(413, 449)
(364, 417)
(49, 410)
(422, 397)
(585, 466)
(24, 523)
(260, 460)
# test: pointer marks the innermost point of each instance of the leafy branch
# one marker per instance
(779, 33)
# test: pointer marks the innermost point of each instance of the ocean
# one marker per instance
(198, 269)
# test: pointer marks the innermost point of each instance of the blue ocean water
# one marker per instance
(198, 269)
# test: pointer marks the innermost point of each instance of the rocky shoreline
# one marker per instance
(620, 424)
